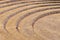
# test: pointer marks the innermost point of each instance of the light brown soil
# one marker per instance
(46, 28)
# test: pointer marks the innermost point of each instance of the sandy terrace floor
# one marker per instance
(29, 21)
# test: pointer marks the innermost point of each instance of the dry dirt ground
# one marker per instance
(29, 21)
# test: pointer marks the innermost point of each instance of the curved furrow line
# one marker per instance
(29, 1)
(31, 13)
(45, 27)
(32, 1)
(44, 15)
(26, 15)
(17, 7)
(12, 4)
(47, 1)
(24, 2)
(25, 5)
(5, 2)
(6, 20)
(30, 4)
